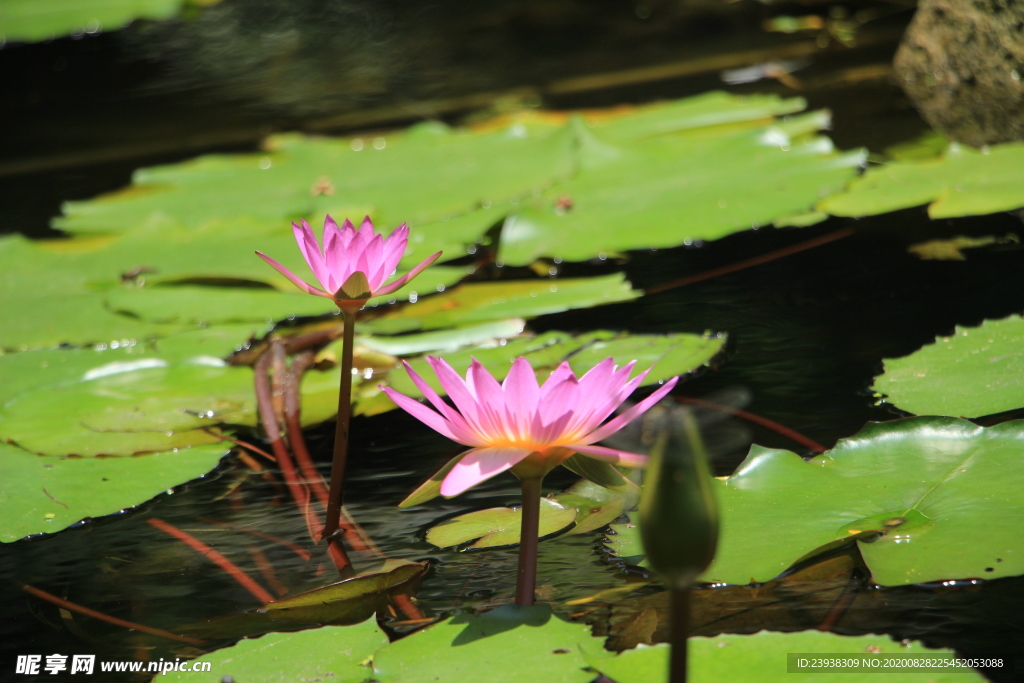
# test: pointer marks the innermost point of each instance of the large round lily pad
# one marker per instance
(45, 495)
(507, 645)
(975, 371)
(919, 495)
(331, 653)
(763, 658)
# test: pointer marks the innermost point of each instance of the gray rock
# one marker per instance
(962, 64)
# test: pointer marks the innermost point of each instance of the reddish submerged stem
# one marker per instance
(750, 262)
(268, 417)
(804, 441)
(60, 602)
(526, 581)
(301, 552)
(293, 423)
(214, 556)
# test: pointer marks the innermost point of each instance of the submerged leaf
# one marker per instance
(496, 527)
(352, 600)
(585, 506)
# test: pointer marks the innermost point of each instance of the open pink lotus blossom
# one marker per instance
(521, 426)
(353, 264)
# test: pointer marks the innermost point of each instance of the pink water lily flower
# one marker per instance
(524, 427)
(353, 265)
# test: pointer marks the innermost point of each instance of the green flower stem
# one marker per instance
(342, 430)
(526, 582)
(680, 631)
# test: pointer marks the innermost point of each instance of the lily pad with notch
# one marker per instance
(918, 495)
(973, 372)
(44, 495)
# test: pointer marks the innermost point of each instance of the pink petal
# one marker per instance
(371, 262)
(311, 252)
(332, 233)
(522, 395)
(620, 421)
(559, 375)
(458, 423)
(422, 413)
(597, 378)
(480, 465)
(597, 389)
(394, 248)
(362, 237)
(563, 398)
(624, 458)
(543, 433)
(348, 233)
(553, 413)
(308, 289)
(457, 390)
(387, 289)
(599, 411)
(489, 397)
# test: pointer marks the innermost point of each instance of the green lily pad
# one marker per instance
(439, 340)
(670, 355)
(352, 600)
(963, 182)
(33, 20)
(47, 299)
(130, 399)
(478, 302)
(420, 176)
(693, 169)
(45, 495)
(126, 407)
(334, 653)
(507, 645)
(918, 494)
(213, 305)
(681, 187)
(975, 371)
(496, 527)
(762, 658)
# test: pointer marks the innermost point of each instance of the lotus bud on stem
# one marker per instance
(679, 522)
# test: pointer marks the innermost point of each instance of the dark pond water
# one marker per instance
(806, 335)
